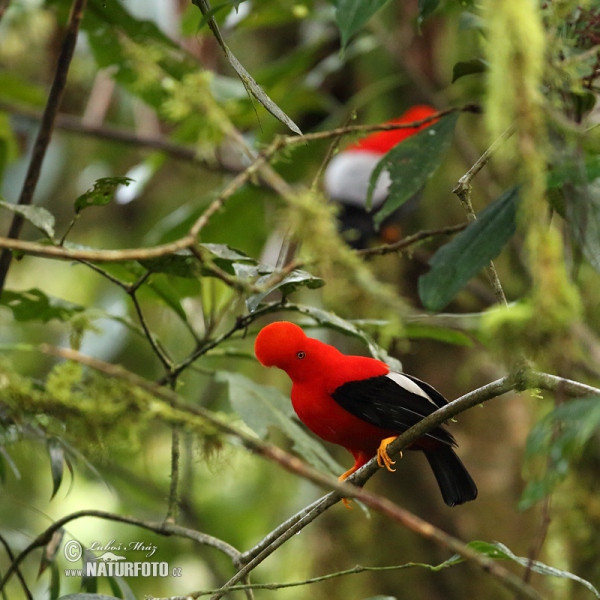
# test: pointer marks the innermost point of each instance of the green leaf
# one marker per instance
(54, 587)
(260, 275)
(34, 305)
(262, 407)
(555, 441)
(438, 334)
(38, 216)
(101, 193)
(351, 15)
(583, 211)
(181, 264)
(225, 257)
(249, 83)
(455, 263)
(332, 321)
(426, 7)
(411, 163)
(499, 551)
(116, 16)
(56, 454)
(469, 67)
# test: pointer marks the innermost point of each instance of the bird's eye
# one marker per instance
(301, 354)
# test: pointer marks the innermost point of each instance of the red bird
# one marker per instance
(358, 403)
(348, 176)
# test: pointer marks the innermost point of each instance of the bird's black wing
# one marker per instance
(394, 402)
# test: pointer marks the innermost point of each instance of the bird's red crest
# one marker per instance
(276, 341)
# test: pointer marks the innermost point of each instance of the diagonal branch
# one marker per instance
(344, 489)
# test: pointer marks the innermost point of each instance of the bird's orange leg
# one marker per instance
(346, 501)
(383, 458)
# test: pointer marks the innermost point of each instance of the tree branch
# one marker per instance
(45, 132)
(411, 240)
(343, 489)
(162, 528)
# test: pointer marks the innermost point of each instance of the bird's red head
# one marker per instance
(278, 344)
(284, 345)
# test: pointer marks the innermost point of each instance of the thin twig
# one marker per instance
(353, 571)
(364, 129)
(411, 240)
(20, 577)
(463, 190)
(240, 324)
(45, 132)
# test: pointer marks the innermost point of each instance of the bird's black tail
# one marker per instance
(454, 480)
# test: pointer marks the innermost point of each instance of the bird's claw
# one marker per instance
(383, 458)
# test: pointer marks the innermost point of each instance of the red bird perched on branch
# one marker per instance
(358, 403)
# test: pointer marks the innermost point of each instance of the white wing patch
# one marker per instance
(409, 385)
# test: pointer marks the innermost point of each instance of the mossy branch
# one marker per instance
(173, 410)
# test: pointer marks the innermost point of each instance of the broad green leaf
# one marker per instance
(182, 264)
(555, 441)
(35, 305)
(583, 214)
(411, 163)
(260, 275)
(439, 334)
(56, 454)
(262, 407)
(455, 263)
(101, 193)
(426, 7)
(115, 15)
(38, 216)
(226, 257)
(351, 15)
(468, 67)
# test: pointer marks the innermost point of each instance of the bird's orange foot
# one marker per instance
(346, 501)
(383, 458)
